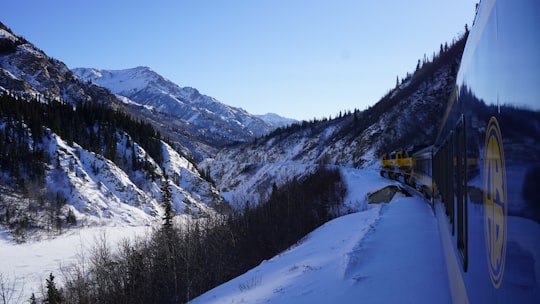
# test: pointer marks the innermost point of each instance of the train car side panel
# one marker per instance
(487, 160)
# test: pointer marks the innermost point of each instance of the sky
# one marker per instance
(297, 58)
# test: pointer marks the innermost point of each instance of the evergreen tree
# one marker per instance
(167, 202)
(71, 218)
(54, 296)
(32, 299)
(134, 160)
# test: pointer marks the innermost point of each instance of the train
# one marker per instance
(411, 166)
(481, 175)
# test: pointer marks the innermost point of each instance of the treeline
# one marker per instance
(353, 123)
(425, 69)
(92, 126)
(178, 262)
(24, 158)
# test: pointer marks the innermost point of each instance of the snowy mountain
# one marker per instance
(27, 71)
(73, 155)
(54, 179)
(200, 116)
(408, 115)
(196, 123)
(276, 121)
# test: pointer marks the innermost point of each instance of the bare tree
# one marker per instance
(8, 290)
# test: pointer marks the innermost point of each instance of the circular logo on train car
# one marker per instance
(495, 202)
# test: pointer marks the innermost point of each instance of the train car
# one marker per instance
(387, 165)
(421, 172)
(412, 166)
(486, 163)
(482, 173)
(399, 165)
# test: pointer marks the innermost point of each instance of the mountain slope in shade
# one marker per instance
(96, 191)
(410, 114)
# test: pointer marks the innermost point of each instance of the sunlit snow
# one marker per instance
(385, 253)
(388, 253)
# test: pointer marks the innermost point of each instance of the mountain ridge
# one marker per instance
(72, 154)
(153, 91)
(218, 142)
(408, 114)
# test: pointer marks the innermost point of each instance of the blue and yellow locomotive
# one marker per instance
(411, 166)
(482, 174)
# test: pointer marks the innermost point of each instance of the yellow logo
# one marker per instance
(495, 202)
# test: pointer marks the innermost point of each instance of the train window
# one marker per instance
(443, 172)
(461, 189)
(447, 179)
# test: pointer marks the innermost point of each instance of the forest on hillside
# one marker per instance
(25, 160)
(180, 260)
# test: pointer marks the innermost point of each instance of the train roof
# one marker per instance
(423, 149)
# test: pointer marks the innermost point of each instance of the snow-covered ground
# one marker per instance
(26, 266)
(388, 253)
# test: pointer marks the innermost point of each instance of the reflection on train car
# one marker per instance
(483, 171)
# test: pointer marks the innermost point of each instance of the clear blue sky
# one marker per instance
(300, 59)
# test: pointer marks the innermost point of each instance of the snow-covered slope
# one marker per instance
(26, 70)
(80, 185)
(152, 91)
(408, 115)
(386, 254)
(350, 259)
(102, 193)
(98, 192)
(380, 254)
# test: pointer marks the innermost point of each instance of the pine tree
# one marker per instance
(53, 294)
(32, 299)
(71, 218)
(167, 202)
(134, 160)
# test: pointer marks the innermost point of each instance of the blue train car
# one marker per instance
(422, 172)
(486, 163)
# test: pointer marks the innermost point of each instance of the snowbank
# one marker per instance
(389, 253)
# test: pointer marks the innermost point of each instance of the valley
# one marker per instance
(90, 152)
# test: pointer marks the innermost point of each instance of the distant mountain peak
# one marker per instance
(277, 120)
(122, 82)
(206, 114)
